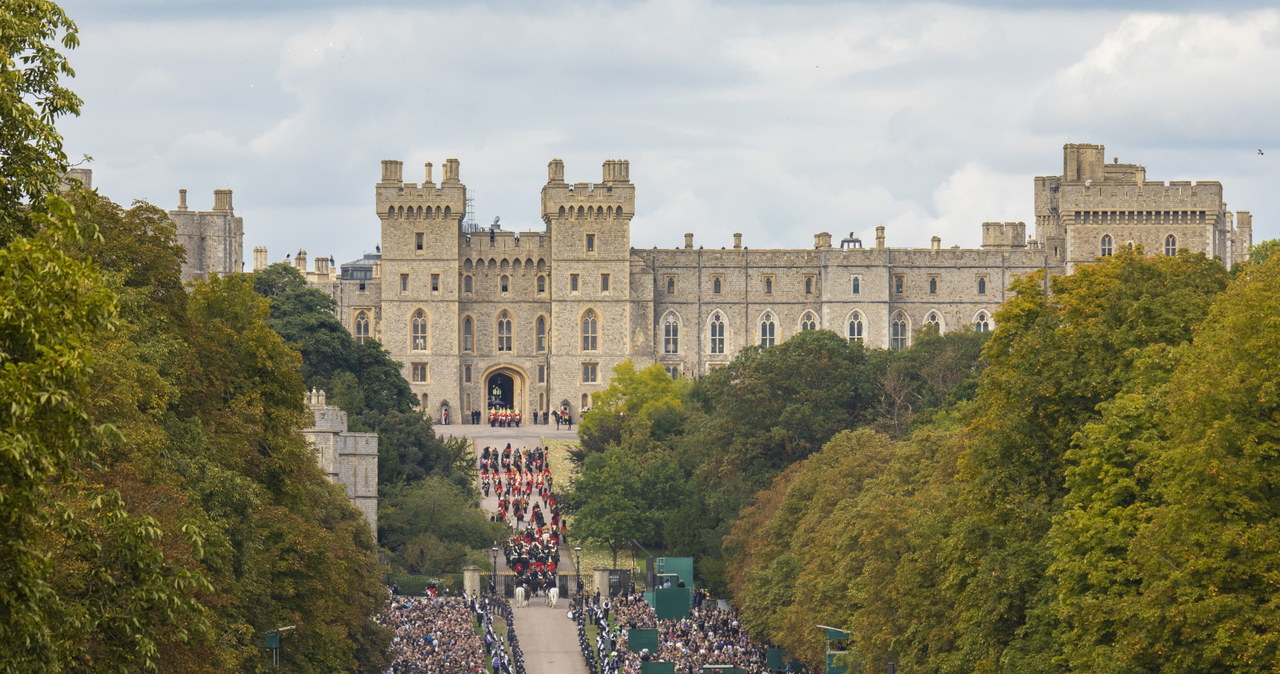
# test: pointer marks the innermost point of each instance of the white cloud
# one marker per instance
(1159, 78)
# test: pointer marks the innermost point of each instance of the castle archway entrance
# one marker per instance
(506, 388)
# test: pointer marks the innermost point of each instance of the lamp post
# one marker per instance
(493, 578)
(273, 642)
(577, 566)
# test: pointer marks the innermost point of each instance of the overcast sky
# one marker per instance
(774, 119)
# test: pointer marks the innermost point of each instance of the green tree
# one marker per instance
(436, 526)
(1208, 556)
(51, 306)
(619, 498)
(1053, 359)
(32, 98)
(639, 407)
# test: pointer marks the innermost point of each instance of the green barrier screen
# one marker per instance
(672, 604)
(638, 640)
(657, 668)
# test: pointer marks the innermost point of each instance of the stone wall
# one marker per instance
(347, 458)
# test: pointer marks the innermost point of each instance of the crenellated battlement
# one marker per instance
(614, 198)
(399, 200)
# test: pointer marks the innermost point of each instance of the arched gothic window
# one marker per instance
(540, 334)
(768, 331)
(589, 328)
(715, 286)
(504, 283)
(717, 334)
(809, 322)
(466, 283)
(982, 286)
(1107, 246)
(362, 327)
(1171, 245)
(504, 331)
(982, 323)
(670, 335)
(934, 320)
(418, 331)
(468, 334)
(671, 286)
(899, 330)
(855, 327)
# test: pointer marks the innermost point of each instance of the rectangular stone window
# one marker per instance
(810, 283)
(982, 285)
(768, 285)
(542, 374)
(671, 285)
(590, 373)
(466, 374)
(899, 283)
(418, 373)
(717, 284)
(591, 243)
(573, 283)
(673, 371)
(419, 241)
(933, 285)
(857, 285)
(604, 283)
(404, 283)
(435, 283)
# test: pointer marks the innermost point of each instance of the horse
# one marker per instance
(553, 596)
(522, 599)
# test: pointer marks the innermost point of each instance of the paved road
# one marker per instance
(547, 636)
(549, 639)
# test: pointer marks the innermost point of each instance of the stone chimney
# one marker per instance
(300, 261)
(880, 236)
(182, 200)
(688, 240)
(555, 171)
(259, 258)
(392, 171)
(822, 240)
(450, 171)
(935, 243)
(222, 200)
(737, 240)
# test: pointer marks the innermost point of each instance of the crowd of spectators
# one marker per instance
(450, 635)
(707, 636)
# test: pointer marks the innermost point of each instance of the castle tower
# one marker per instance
(214, 239)
(590, 229)
(1096, 209)
(421, 229)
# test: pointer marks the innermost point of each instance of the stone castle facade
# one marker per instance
(346, 458)
(536, 320)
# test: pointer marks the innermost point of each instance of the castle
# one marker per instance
(486, 318)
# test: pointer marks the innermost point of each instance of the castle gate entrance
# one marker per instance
(504, 388)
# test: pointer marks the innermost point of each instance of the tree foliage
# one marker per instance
(1101, 504)
(32, 98)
